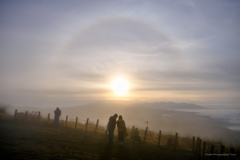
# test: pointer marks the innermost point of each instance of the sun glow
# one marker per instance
(120, 86)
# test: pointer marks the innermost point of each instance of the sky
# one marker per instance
(66, 53)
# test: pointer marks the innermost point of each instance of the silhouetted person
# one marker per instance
(111, 127)
(121, 130)
(57, 115)
(135, 136)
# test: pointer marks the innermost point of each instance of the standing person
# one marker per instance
(111, 127)
(57, 115)
(121, 129)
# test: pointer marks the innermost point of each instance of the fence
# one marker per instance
(202, 149)
(75, 123)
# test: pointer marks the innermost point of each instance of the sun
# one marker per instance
(120, 86)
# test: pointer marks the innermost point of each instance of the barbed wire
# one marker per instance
(92, 122)
(70, 119)
(151, 134)
(102, 123)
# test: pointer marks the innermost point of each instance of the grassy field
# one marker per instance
(20, 140)
(31, 137)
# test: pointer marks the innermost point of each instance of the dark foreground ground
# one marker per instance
(41, 142)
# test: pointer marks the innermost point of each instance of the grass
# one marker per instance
(30, 137)
(21, 140)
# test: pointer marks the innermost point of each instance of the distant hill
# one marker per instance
(115, 104)
(170, 105)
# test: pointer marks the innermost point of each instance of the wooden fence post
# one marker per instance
(159, 138)
(176, 139)
(26, 114)
(86, 125)
(200, 147)
(204, 150)
(196, 151)
(76, 123)
(212, 151)
(15, 114)
(39, 116)
(66, 121)
(132, 133)
(96, 125)
(145, 135)
(221, 152)
(193, 143)
(48, 117)
(231, 154)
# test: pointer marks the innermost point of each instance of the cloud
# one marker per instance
(174, 46)
(120, 43)
(126, 34)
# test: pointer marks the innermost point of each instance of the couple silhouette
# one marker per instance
(122, 130)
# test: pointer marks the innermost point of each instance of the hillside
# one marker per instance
(40, 142)
(185, 123)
